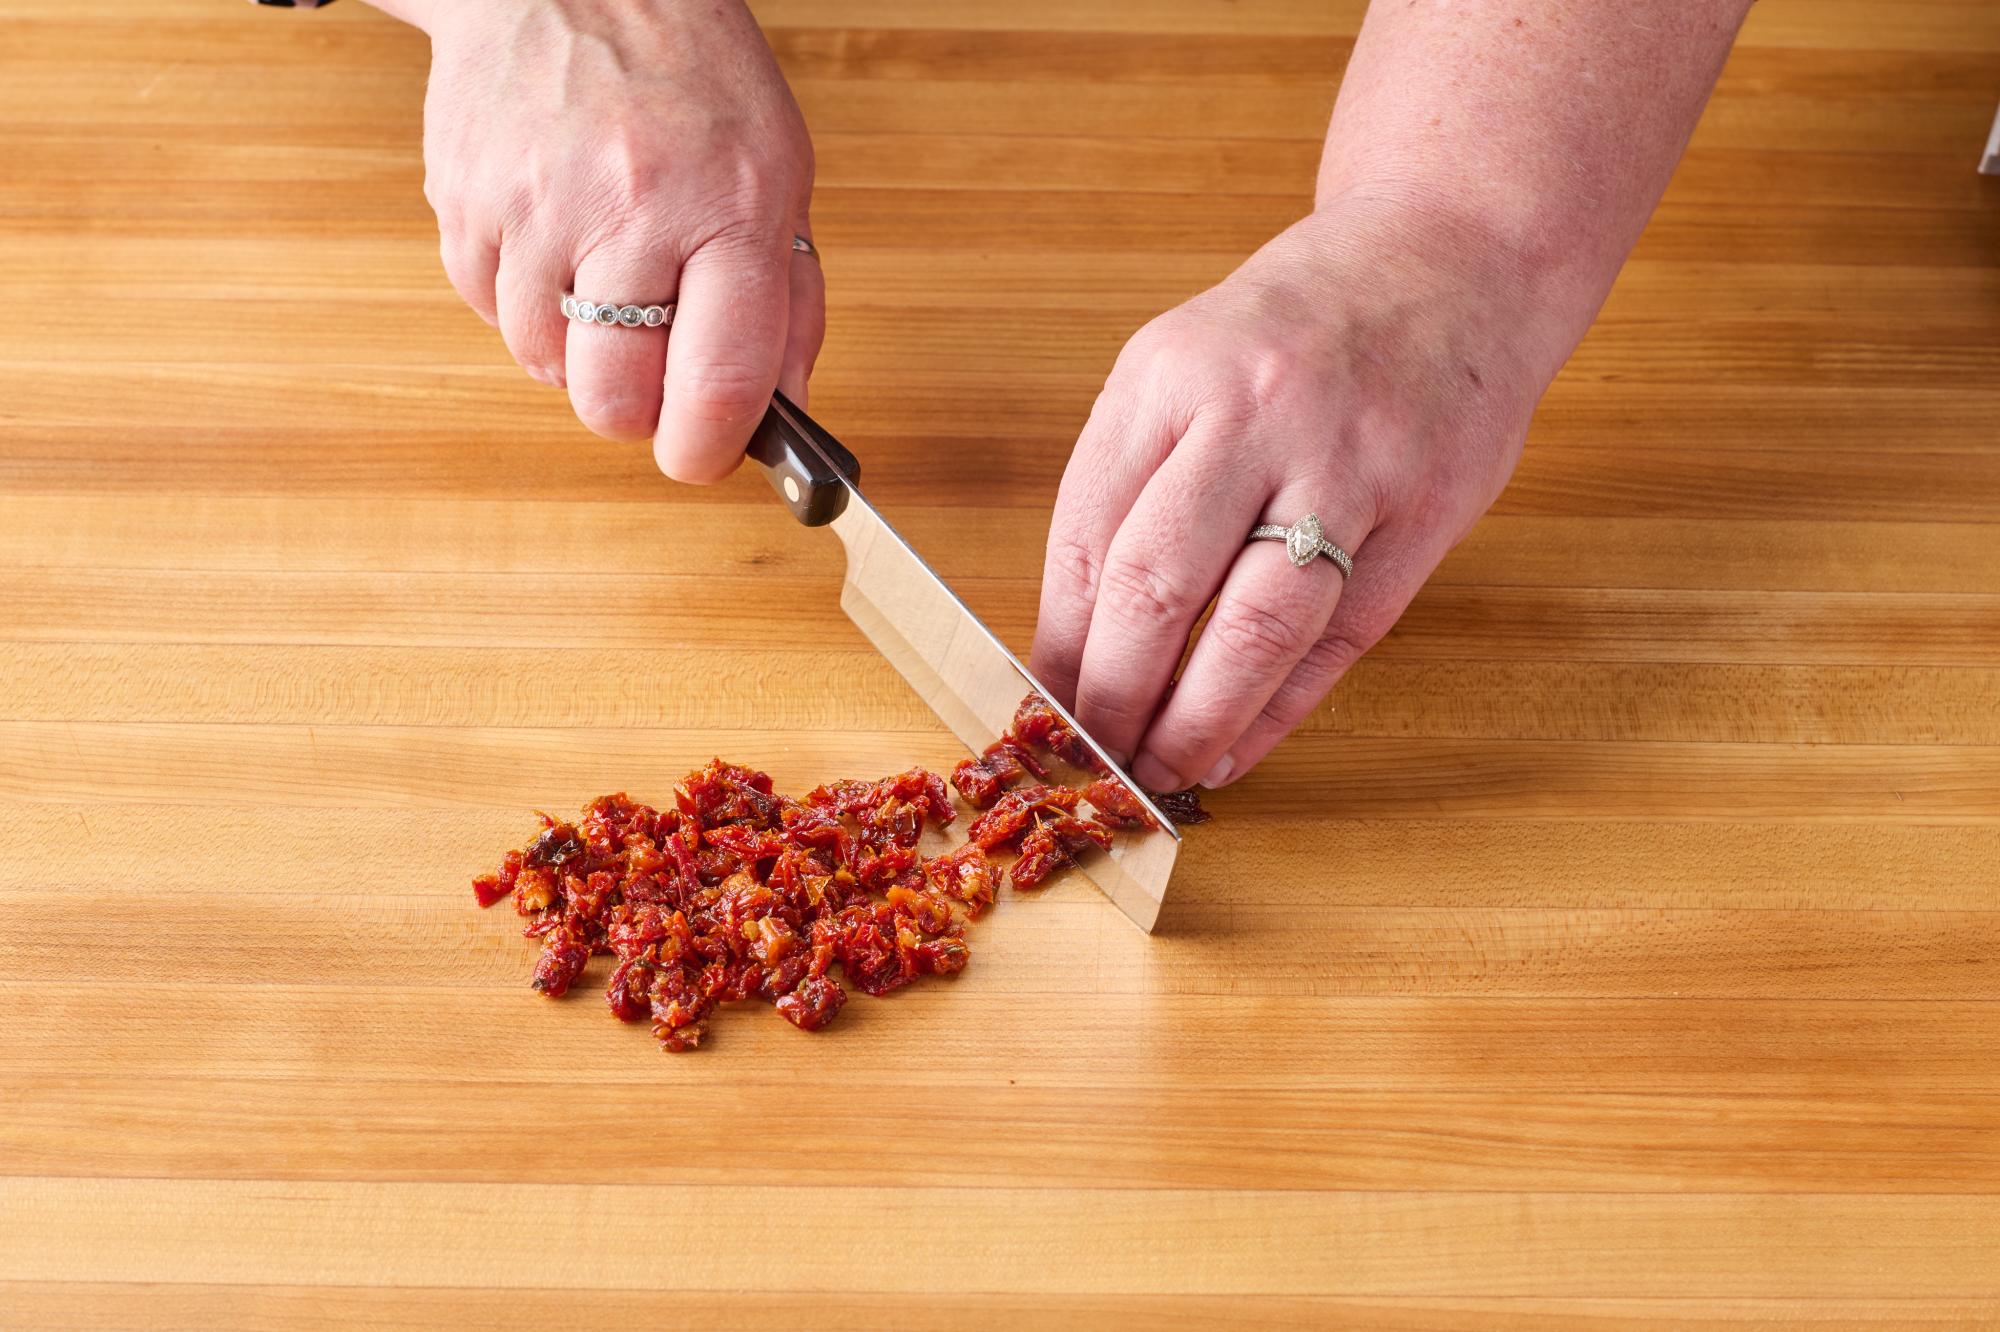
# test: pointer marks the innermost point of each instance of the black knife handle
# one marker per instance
(807, 478)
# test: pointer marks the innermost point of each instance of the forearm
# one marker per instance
(1532, 139)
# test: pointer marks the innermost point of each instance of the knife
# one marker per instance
(953, 661)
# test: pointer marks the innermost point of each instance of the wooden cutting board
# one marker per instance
(1620, 941)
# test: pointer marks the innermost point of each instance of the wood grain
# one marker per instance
(1618, 945)
(145, 1305)
(1353, 1243)
(381, 1130)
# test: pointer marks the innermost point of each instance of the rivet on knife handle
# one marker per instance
(804, 463)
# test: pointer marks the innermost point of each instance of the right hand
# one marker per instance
(640, 153)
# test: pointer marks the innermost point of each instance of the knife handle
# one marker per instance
(808, 468)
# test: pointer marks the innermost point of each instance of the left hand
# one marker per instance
(1361, 367)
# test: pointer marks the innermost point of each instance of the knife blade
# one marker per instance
(958, 666)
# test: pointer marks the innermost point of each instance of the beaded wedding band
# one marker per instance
(613, 315)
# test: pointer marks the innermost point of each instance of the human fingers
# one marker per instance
(728, 344)
(615, 371)
(1167, 560)
(1268, 615)
(528, 294)
(1396, 566)
(805, 327)
(471, 261)
(1120, 447)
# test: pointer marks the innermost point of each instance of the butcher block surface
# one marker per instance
(1620, 942)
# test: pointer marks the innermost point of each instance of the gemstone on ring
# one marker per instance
(610, 314)
(1304, 540)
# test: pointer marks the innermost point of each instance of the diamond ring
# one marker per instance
(613, 315)
(1305, 541)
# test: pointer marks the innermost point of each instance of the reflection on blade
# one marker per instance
(974, 683)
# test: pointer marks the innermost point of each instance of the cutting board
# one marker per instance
(1619, 941)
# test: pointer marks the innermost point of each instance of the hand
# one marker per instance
(1342, 371)
(639, 153)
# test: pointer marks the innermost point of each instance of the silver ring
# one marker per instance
(1305, 541)
(612, 315)
(804, 246)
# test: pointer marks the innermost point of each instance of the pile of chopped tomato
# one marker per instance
(736, 892)
(1038, 820)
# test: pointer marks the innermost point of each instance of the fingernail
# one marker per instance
(1219, 774)
(1154, 775)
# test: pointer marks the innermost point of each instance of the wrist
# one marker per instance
(1420, 244)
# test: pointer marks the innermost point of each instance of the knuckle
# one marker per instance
(1260, 636)
(1263, 383)
(538, 351)
(1288, 707)
(619, 416)
(1309, 683)
(749, 246)
(1307, 687)
(441, 196)
(750, 194)
(628, 173)
(461, 270)
(722, 390)
(457, 210)
(1144, 595)
(1144, 346)
(1372, 622)
(1074, 566)
(1272, 374)
(1110, 709)
(1340, 648)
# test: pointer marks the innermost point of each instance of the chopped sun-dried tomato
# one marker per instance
(1183, 807)
(965, 875)
(1116, 804)
(977, 783)
(813, 1004)
(727, 897)
(1010, 818)
(981, 780)
(562, 961)
(737, 892)
(557, 844)
(1037, 723)
(1054, 843)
